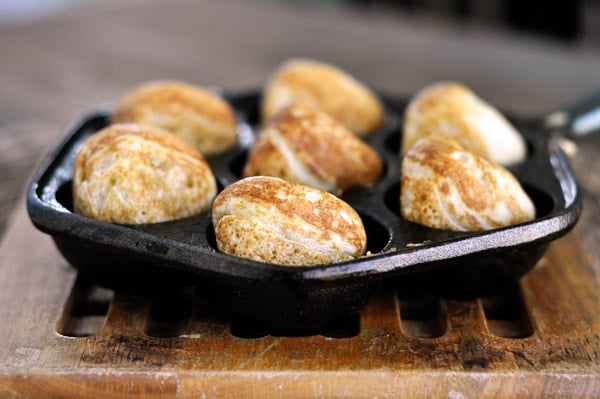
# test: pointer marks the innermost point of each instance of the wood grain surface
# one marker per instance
(61, 337)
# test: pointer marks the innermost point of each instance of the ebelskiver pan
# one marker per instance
(161, 257)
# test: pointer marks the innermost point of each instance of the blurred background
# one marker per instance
(571, 21)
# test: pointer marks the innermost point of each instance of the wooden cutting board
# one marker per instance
(63, 337)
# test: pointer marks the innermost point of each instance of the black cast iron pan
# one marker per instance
(162, 257)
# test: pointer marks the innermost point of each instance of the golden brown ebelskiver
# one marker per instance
(193, 113)
(133, 174)
(324, 86)
(448, 187)
(454, 110)
(304, 145)
(271, 220)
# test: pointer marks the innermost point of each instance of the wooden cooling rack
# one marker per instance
(64, 337)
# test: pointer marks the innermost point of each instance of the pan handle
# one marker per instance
(576, 120)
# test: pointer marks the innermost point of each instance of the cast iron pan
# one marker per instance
(162, 257)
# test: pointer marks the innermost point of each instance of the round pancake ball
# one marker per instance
(133, 174)
(201, 118)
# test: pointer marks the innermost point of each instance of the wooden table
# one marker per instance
(60, 337)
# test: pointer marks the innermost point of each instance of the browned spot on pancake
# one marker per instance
(297, 210)
(462, 187)
(325, 148)
(324, 86)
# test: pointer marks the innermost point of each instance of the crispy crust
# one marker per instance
(204, 120)
(274, 221)
(321, 85)
(445, 186)
(304, 145)
(452, 109)
(134, 174)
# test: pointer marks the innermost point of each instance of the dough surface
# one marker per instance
(445, 186)
(304, 145)
(454, 110)
(327, 87)
(271, 220)
(196, 115)
(134, 174)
